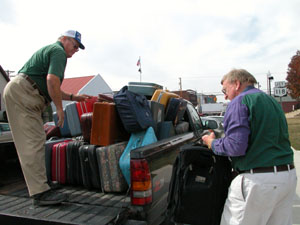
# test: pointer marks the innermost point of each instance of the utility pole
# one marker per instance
(269, 78)
(180, 86)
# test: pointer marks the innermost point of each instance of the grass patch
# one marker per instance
(294, 131)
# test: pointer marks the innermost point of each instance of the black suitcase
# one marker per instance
(89, 166)
(74, 174)
(133, 110)
(175, 110)
(198, 187)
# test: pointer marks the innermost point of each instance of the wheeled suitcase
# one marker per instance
(59, 167)
(163, 97)
(136, 140)
(86, 106)
(144, 88)
(175, 110)
(198, 187)
(51, 130)
(48, 154)
(165, 129)
(112, 179)
(89, 166)
(73, 119)
(133, 110)
(106, 125)
(74, 174)
(65, 130)
(86, 126)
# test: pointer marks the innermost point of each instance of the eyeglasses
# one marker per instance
(75, 46)
(224, 91)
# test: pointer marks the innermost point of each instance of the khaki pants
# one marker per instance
(24, 106)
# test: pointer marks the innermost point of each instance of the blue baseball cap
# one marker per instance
(76, 35)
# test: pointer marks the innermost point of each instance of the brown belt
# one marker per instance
(271, 169)
(34, 85)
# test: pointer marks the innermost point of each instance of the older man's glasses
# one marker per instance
(75, 46)
(224, 91)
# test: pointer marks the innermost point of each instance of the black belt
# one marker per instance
(34, 85)
(271, 169)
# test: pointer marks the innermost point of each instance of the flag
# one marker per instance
(138, 62)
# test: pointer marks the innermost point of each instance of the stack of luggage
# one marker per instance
(93, 149)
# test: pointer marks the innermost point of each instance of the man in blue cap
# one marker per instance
(26, 97)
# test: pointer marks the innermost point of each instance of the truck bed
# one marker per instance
(82, 207)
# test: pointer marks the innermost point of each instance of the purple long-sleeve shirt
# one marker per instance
(236, 126)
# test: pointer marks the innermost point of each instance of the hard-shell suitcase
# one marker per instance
(144, 88)
(51, 130)
(73, 119)
(106, 126)
(182, 127)
(133, 110)
(163, 97)
(86, 106)
(136, 140)
(175, 110)
(74, 174)
(112, 179)
(198, 187)
(86, 126)
(157, 110)
(48, 153)
(165, 129)
(59, 167)
(89, 166)
(105, 98)
(65, 130)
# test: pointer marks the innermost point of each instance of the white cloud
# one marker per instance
(196, 40)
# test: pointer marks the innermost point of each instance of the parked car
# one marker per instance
(5, 133)
(219, 130)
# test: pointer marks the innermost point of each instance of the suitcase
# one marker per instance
(86, 106)
(86, 126)
(165, 130)
(136, 140)
(59, 168)
(48, 154)
(65, 130)
(157, 110)
(175, 110)
(105, 98)
(133, 110)
(163, 97)
(74, 175)
(51, 130)
(73, 119)
(198, 187)
(182, 127)
(89, 166)
(144, 88)
(106, 125)
(112, 179)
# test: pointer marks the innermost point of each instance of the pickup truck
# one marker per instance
(144, 203)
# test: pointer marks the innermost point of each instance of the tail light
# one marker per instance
(141, 187)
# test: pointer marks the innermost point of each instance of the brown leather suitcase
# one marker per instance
(107, 128)
(86, 125)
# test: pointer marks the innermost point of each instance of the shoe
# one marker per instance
(49, 197)
(54, 185)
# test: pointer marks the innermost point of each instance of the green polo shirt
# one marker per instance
(51, 59)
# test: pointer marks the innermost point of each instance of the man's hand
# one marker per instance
(208, 139)
(82, 97)
(60, 117)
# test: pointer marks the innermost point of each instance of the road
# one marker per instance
(296, 205)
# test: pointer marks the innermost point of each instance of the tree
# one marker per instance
(293, 76)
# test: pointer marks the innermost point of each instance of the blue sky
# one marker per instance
(196, 40)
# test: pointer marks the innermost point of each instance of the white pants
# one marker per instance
(260, 199)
